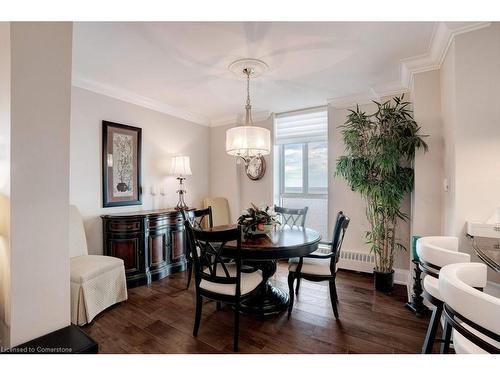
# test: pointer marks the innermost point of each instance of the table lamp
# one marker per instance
(181, 168)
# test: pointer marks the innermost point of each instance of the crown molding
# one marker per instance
(143, 101)
(440, 43)
(388, 89)
(239, 119)
(375, 93)
(441, 39)
(352, 100)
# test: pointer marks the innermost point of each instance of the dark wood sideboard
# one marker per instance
(151, 243)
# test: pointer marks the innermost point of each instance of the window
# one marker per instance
(318, 167)
(301, 170)
(305, 168)
(293, 168)
(302, 143)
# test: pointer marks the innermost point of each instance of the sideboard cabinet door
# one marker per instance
(178, 240)
(130, 250)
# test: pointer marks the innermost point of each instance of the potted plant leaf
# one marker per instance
(380, 150)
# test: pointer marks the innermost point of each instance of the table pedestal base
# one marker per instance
(271, 301)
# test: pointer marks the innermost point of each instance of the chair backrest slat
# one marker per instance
(292, 217)
(209, 264)
(201, 219)
(341, 224)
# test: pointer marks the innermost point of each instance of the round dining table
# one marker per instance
(263, 251)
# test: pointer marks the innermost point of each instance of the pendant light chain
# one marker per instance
(248, 106)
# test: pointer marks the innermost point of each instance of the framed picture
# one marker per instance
(121, 165)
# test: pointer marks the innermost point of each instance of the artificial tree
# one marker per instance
(380, 149)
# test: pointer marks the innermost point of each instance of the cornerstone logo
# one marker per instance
(35, 350)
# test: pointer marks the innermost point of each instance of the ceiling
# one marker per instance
(182, 67)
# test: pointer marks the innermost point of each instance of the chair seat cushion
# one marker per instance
(311, 266)
(87, 267)
(431, 286)
(249, 281)
(465, 346)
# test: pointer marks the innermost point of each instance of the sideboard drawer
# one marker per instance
(176, 220)
(157, 223)
(124, 226)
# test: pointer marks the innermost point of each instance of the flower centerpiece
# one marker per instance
(255, 220)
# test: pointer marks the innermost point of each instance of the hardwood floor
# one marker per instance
(159, 319)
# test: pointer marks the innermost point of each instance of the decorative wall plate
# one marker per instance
(256, 168)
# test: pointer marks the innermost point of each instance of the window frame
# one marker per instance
(305, 175)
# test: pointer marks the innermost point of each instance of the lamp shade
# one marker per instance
(248, 141)
(181, 166)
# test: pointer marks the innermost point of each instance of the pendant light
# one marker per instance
(248, 141)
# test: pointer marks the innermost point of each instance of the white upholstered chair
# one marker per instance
(97, 281)
(435, 252)
(220, 210)
(473, 314)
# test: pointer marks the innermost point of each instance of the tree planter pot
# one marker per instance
(384, 281)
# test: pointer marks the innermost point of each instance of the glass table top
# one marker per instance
(488, 250)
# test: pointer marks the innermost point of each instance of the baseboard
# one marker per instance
(363, 262)
(401, 276)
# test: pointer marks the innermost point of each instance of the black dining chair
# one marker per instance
(292, 217)
(216, 280)
(199, 219)
(319, 266)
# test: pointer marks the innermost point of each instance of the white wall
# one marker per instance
(428, 193)
(471, 78)
(40, 115)
(477, 143)
(4, 183)
(229, 180)
(163, 136)
(224, 173)
(448, 109)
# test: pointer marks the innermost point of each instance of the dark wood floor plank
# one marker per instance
(159, 319)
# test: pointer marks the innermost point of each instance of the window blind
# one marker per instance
(302, 126)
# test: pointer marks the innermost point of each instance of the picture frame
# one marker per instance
(121, 165)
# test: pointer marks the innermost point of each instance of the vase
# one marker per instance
(384, 281)
(267, 228)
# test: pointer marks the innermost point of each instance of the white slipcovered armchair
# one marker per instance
(473, 314)
(435, 252)
(97, 281)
